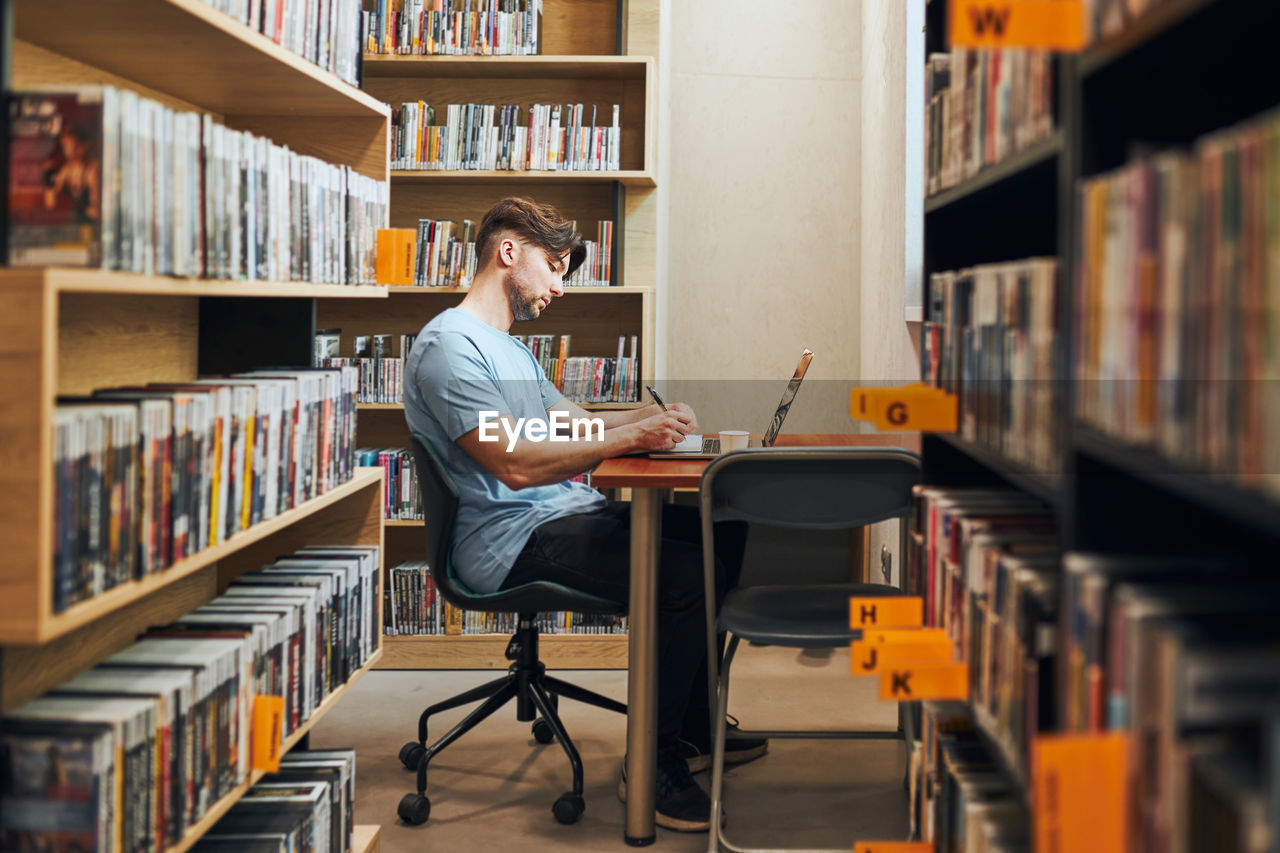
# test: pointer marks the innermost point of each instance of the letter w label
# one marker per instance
(993, 19)
(1038, 24)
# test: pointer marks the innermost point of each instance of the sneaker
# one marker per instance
(737, 749)
(680, 803)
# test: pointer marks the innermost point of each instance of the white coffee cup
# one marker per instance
(733, 439)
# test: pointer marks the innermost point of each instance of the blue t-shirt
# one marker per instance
(460, 366)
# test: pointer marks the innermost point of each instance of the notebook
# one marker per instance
(697, 446)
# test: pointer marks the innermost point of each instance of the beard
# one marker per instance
(524, 306)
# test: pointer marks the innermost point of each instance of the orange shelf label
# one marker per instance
(886, 612)
(1079, 792)
(916, 681)
(915, 408)
(267, 732)
(1037, 24)
(903, 635)
(869, 658)
(893, 847)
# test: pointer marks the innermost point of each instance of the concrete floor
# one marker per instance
(493, 789)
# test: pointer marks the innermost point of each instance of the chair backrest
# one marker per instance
(439, 509)
(815, 487)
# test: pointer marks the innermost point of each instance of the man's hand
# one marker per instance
(684, 408)
(664, 430)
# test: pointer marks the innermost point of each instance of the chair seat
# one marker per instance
(808, 617)
(536, 597)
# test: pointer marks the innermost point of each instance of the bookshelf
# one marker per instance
(486, 651)
(593, 52)
(70, 331)
(369, 836)
(1181, 71)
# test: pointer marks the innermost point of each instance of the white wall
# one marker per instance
(789, 147)
(892, 206)
(760, 229)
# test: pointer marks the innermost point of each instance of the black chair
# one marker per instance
(804, 488)
(526, 680)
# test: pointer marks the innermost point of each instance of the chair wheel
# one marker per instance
(414, 809)
(410, 754)
(569, 808)
(542, 732)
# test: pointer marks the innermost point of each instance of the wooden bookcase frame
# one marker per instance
(70, 331)
(593, 51)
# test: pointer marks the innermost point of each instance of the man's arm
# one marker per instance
(617, 418)
(526, 463)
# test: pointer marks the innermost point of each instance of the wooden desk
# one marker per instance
(650, 480)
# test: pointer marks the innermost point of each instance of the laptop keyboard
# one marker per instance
(710, 445)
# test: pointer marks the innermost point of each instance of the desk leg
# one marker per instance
(642, 672)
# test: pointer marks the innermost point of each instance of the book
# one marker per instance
(58, 787)
(495, 137)
(101, 177)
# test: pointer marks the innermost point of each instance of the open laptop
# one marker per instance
(696, 446)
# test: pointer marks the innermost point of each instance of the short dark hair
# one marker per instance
(538, 224)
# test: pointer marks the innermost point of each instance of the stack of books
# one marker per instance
(454, 27)
(401, 499)
(982, 106)
(587, 379)
(990, 337)
(130, 754)
(103, 178)
(960, 796)
(149, 475)
(326, 32)
(414, 607)
(486, 137)
(380, 371)
(308, 804)
(1178, 343)
(986, 561)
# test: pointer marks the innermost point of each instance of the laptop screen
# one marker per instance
(780, 414)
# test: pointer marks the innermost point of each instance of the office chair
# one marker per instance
(526, 680)
(796, 487)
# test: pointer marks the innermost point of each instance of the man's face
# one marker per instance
(533, 281)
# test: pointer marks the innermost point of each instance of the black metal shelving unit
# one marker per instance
(1186, 69)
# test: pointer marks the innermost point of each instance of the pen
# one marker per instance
(656, 398)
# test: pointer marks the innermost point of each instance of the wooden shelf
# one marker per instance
(393, 289)
(634, 178)
(403, 522)
(59, 280)
(482, 67)
(1035, 154)
(222, 806)
(190, 50)
(1218, 493)
(486, 651)
(380, 407)
(366, 838)
(33, 622)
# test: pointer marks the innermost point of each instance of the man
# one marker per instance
(519, 519)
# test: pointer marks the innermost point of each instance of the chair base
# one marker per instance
(536, 695)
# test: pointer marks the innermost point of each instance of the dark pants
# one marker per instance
(592, 552)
